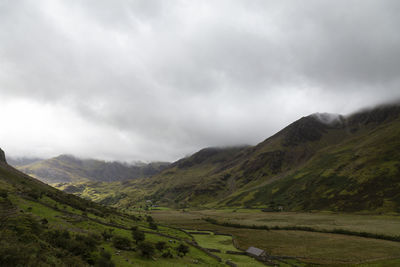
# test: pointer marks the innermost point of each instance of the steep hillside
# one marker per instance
(42, 226)
(321, 162)
(66, 168)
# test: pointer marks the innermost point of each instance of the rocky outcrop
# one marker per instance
(2, 156)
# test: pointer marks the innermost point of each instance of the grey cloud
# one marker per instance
(167, 78)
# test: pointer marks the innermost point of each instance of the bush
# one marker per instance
(153, 226)
(34, 194)
(60, 239)
(107, 234)
(121, 242)
(160, 245)
(104, 260)
(3, 194)
(147, 249)
(167, 254)
(182, 249)
(138, 236)
(149, 219)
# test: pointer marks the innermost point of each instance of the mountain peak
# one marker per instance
(331, 119)
(306, 129)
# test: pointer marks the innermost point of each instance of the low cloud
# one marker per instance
(156, 80)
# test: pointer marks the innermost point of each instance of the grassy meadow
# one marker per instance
(307, 247)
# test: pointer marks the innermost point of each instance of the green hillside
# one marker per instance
(66, 168)
(42, 226)
(320, 162)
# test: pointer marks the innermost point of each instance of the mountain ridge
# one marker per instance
(67, 168)
(342, 161)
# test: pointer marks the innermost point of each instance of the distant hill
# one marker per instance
(319, 162)
(43, 226)
(66, 168)
(21, 161)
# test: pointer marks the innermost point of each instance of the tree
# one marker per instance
(107, 234)
(3, 194)
(167, 254)
(149, 219)
(138, 236)
(121, 242)
(104, 260)
(147, 249)
(182, 249)
(153, 226)
(160, 245)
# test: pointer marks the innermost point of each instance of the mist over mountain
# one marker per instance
(21, 161)
(348, 163)
(157, 80)
(67, 168)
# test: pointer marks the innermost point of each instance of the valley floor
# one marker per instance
(307, 247)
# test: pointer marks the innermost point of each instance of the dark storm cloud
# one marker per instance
(156, 80)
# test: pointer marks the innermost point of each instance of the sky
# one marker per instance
(156, 80)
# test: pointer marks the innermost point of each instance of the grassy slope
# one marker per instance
(352, 165)
(360, 173)
(26, 240)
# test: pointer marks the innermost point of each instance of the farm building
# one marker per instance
(255, 252)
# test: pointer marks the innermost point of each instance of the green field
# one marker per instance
(307, 247)
(224, 243)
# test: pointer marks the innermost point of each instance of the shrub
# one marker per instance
(60, 239)
(138, 236)
(149, 219)
(107, 234)
(167, 254)
(182, 248)
(153, 226)
(160, 245)
(147, 249)
(104, 260)
(121, 242)
(3, 194)
(34, 194)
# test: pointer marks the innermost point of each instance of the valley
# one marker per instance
(349, 165)
(313, 194)
(304, 246)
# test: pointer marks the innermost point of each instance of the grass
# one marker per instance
(221, 242)
(126, 258)
(224, 243)
(321, 248)
(317, 247)
(376, 224)
(307, 229)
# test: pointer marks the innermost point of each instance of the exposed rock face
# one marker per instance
(2, 156)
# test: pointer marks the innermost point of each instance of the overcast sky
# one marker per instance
(158, 80)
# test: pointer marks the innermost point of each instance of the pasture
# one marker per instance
(308, 247)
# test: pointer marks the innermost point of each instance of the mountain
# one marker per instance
(319, 162)
(66, 168)
(42, 226)
(21, 161)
